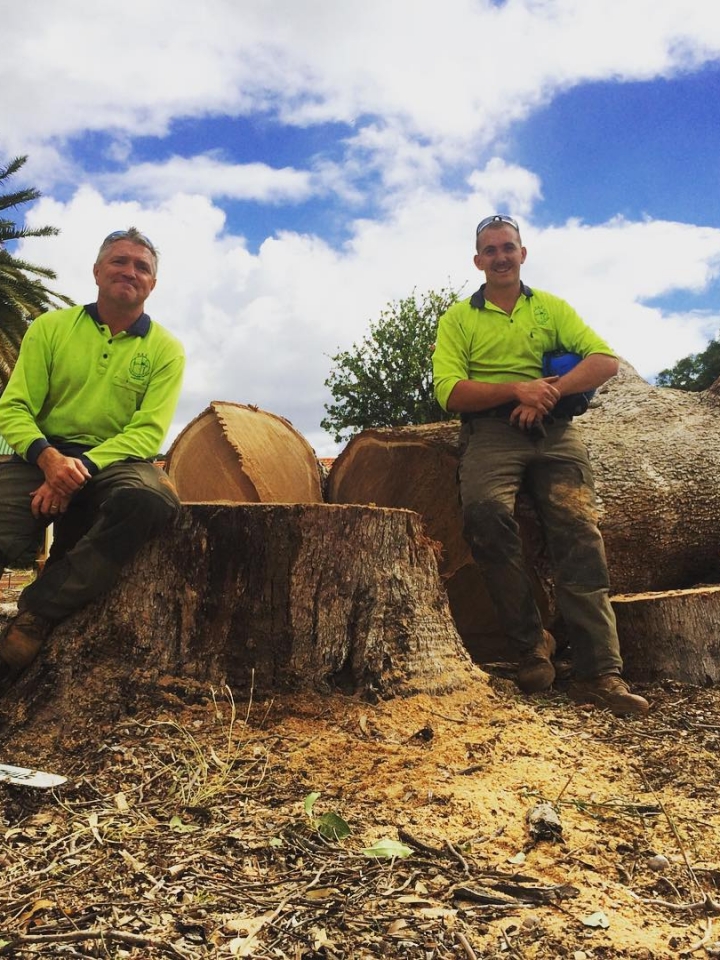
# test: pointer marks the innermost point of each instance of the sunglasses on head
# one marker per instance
(496, 218)
(125, 234)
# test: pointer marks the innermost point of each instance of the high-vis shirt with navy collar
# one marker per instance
(91, 394)
(476, 340)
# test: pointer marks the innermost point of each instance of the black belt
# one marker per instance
(503, 412)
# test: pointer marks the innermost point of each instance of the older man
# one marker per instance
(86, 410)
(517, 430)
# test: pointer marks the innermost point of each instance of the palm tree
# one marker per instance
(23, 294)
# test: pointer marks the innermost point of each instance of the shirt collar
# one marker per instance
(140, 328)
(477, 300)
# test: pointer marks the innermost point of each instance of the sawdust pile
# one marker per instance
(193, 830)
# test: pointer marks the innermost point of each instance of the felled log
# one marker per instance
(238, 453)
(675, 634)
(656, 457)
(262, 597)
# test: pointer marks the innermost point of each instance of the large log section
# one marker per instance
(675, 634)
(241, 454)
(256, 595)
(656, 456)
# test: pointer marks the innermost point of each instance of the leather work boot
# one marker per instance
(535, 672)
(22, 642)
(609, 691)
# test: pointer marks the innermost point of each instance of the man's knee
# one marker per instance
(146, 508)
(490, 529)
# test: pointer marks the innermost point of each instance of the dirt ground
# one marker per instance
(517, 829)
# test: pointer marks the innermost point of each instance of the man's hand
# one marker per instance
(541, 395)
(526, 417)
(65, 475)
(47, 502)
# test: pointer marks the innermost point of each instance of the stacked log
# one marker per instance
(236, 453)
(656, 457)
(672, 633)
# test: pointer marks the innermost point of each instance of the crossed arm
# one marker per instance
(533, 398)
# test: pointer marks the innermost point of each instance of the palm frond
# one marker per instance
(23, 293)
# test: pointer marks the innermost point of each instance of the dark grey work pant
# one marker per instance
(107, 522)
(498, 457)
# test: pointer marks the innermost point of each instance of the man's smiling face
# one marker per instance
(500, 255)
(126, 274)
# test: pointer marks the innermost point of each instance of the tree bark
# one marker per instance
(656, 457)
(675, 634)
(258, 596)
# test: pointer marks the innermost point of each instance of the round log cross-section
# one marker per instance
(241, 454)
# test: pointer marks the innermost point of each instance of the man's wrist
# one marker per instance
(36, 448)
(92, 468)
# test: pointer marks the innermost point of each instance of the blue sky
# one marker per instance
(301, 163)
(637, 149)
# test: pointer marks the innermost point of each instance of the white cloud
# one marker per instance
(211, 177)
(451, 72)
(260, 327)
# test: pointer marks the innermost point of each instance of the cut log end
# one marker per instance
(237, 453)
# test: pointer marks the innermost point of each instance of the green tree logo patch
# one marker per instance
(140, 366)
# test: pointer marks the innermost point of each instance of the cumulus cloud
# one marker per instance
(211, 177)
(451, 74)
(261, 327)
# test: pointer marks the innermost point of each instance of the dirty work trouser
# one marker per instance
(496, 458)
(108, 520)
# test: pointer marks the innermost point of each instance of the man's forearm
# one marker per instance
(471, 395)
(64, 474)
(589, 374)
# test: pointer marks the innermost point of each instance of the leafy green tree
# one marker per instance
(696, 372)
(23, 294)
(386, 380)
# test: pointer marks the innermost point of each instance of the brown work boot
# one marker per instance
(609, 691)
(22, 641)
(535, 672)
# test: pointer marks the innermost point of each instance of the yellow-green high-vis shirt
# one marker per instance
(478, 341)
(76, 384)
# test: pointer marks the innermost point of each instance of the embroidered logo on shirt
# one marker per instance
(540, 315)
(140, 366)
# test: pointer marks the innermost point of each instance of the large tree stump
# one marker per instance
(656, 457)
(256, 596)
(675, 634)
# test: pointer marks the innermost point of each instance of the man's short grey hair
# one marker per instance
(134, 236)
